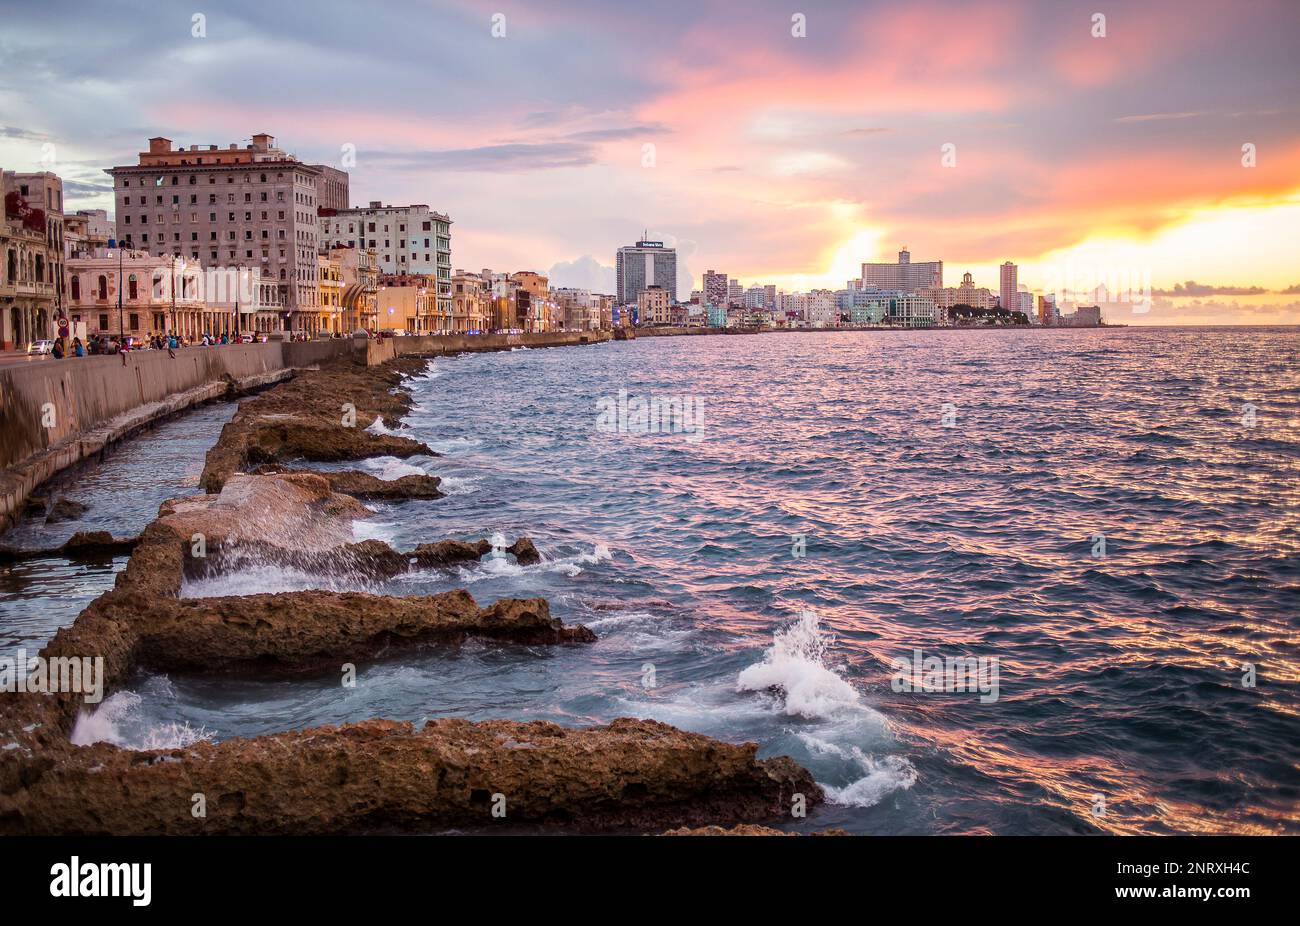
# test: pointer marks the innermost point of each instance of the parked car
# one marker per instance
(39, 347)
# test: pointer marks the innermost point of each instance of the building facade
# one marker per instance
(654, 306)
(904, 276)
(407, 240)
(133, 293)
(1007, 287)
(252, 207)
(639, 266)
(32, 254)
(715, 288)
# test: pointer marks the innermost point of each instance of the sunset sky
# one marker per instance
(776, 159)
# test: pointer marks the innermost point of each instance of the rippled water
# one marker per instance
(122, 495)
(1120, 675)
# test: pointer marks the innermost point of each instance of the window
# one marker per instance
(103, 322)
(76, 289)
(132, 289)
(135, 322)
(103, 287)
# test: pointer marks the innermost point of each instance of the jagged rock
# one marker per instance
(65, 509)
(96, 545)
(383, 776)
(293, 632)
(82, 546)
(35, 505)
(304, 418)
(364, 485)
(524, 551)
(449, 552)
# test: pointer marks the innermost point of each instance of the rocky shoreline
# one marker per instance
(377, 775)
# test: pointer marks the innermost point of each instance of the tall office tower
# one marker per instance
(642, 265)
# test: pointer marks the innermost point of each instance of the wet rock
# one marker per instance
(384, 776)
(305, 418)
(88, 545)
(65, 509)
(449, 552)
(524, 552)
(35, 506)
(366, 486)
(297, 632)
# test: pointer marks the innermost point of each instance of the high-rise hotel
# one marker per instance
(642, 265)
(904, 276)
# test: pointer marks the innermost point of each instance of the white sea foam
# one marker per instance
(371, 529)
(452, 444)
(795, 666)
(391, 468)
(117, 721)
(460, 485)
(378, 427)
(881, 775)
(268, 579)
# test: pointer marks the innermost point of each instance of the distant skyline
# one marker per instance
(775, 159)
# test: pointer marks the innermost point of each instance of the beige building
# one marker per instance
(406, 303)
(407, 240)
(159, 295)
(533, 307)
(31, 258)
(470, 303)
(253, 206)
(654, 306)
(965, 294)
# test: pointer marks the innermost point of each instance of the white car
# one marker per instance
(40, 347)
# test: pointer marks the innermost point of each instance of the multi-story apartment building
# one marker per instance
(407, 302)
(32, 251)
(715, 288)
(654, 306)
(735, 293)
(253, 207)
(533, 308)
(903, 276)
(159, 294)
(965, 294)
(86, 230)
(407, 240)
(470, 303)
(359, 276)
(639, 266)
(1008, 287)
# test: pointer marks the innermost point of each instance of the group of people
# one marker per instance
(110, 344)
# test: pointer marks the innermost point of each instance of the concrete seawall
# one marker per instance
(55, 413)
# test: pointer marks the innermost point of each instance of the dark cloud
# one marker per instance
(618, 134)
(8, 131)
(1192, 288)
(510, 157)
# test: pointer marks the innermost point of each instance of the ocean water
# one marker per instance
(953, 491)
(122, 494)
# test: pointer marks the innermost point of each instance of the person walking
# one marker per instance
(171, 346)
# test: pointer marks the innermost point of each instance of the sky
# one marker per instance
(780, 143)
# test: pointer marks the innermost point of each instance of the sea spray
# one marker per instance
(795, 665)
